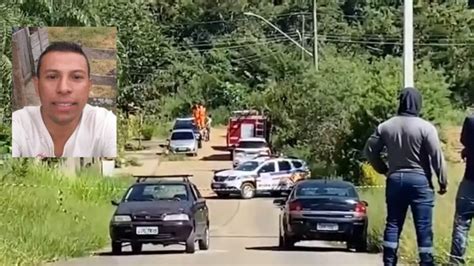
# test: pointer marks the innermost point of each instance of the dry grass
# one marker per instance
(93, 37)
(103, 91)
(103, 67)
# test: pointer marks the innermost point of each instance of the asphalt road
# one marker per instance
(243, 232)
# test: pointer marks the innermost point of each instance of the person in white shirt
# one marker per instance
(65, 125)
(208, 127)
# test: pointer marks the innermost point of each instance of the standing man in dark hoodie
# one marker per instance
(465, 196)
(413, 147)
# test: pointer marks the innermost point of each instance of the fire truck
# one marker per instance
(247, 124)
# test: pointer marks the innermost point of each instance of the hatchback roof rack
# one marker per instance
(143, 178)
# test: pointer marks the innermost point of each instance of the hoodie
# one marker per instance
(412, 143)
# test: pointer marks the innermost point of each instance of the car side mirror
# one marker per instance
(279, 202)
(115, 203)
(365, 203)
(201, 201)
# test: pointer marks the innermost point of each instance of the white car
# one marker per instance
(274, 175)
(248, 149)
(183, 141)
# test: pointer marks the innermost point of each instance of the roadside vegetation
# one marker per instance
(171, 53)
(45, 218)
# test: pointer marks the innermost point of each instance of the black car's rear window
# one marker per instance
(152, 192)
(322, 190)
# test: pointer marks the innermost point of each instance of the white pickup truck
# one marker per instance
(263, 174)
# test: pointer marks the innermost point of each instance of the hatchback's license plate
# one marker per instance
(152, 230)
(327, 227)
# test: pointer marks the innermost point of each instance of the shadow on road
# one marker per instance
(216, 157)
(144, 252)
(299, 248)
(220, 148)
(214, 197)
(238, 198)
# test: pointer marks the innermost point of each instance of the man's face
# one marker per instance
(63, 86)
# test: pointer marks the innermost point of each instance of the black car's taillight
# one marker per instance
(295, 206)
(360, 208)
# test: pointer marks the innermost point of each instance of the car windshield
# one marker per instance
(323, 190)
(156, 192)
(182, 135)
(252, 144)
(247, 166)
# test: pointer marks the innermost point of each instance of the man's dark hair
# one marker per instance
(63, 47)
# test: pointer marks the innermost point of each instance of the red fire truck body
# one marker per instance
(246, 124)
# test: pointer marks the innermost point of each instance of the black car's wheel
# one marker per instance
(199, 144)
(136, 247)
(191, 243)
(359, 242)
(116, 247)
(247, 191)
(204, 241)
(285, 242)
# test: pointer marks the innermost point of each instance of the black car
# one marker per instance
(160, 211)
(328, 210)
(188, 123)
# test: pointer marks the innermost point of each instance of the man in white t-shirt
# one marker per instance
(64, 125)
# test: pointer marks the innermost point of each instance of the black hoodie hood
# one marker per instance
(410, 102)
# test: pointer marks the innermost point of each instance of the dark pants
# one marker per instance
(403, 190)
(462, 221)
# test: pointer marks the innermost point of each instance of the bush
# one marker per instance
(147, 132)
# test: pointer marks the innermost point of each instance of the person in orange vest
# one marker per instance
(202, 115)
(195, 112)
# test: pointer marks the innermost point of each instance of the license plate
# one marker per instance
(218, 185)
(152, 230)
(327, 227)
(181, 149)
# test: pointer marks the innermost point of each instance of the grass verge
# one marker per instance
(52, 216)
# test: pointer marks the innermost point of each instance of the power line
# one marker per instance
(393, 43)
(234, 40)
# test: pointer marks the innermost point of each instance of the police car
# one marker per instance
(263, 174)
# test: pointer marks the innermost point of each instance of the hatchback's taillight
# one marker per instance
(295, 206)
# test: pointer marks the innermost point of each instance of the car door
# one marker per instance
(200, 210)
(265, 175)
(281, 178)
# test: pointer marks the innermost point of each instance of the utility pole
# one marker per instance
(302, 36)
(315, 40)
(408, 61)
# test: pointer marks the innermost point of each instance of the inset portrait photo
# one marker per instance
(64, 92)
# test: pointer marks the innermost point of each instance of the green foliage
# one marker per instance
(147, 132)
